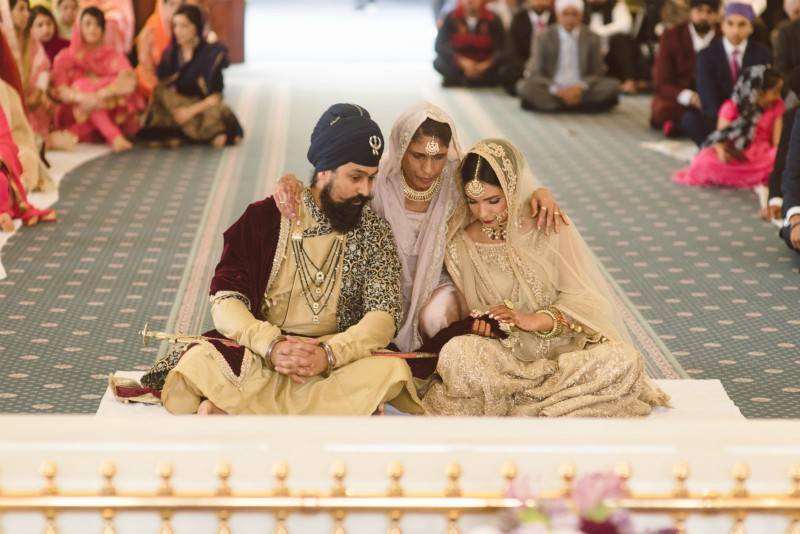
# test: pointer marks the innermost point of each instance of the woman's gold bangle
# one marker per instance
(558, 327)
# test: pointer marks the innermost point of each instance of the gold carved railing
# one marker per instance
(338, 501)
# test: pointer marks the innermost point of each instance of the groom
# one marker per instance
(299, 306)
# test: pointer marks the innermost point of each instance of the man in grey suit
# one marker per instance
(566, 70)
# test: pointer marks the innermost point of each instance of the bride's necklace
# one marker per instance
(495, 233)
(420, 196)
(498, 231)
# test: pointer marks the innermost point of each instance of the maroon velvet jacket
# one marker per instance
(673, 71)
(248, 252)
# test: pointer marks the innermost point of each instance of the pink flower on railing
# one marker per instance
(589, 492)
(585, 513)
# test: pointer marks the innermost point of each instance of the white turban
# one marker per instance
(561, 5)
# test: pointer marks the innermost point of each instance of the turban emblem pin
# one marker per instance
(376, 143)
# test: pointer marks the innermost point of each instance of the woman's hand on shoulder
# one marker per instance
(287, 195)
(546, 211)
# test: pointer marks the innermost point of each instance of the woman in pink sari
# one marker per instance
(97, 85)
(741, 152)
(120, 23)
(13, 199)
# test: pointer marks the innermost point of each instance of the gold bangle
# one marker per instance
(554, 314)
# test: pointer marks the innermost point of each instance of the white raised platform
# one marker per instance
(691, 399)
(310, 445)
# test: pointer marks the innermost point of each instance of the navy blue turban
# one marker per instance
(345, 134)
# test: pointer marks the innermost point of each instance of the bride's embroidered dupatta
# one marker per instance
(557, 270)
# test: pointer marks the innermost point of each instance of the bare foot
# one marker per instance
(219, 141)
(6, 223)
(381, 410)
(120, 144)
(62, 140)
(628, 87)
(209, 408)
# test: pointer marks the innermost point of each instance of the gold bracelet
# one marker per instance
(268, 353)
(554, 314)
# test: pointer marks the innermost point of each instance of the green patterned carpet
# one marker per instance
(710, 289)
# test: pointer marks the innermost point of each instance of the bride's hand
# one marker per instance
(546, 211)
(286, 195)
(523, 321)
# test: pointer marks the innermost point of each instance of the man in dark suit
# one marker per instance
(470, 46)
(566, 70)
(533, 17)
(719, 66)
(791, 191)
(674, 69)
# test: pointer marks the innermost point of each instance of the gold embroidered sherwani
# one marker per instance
(359, 383)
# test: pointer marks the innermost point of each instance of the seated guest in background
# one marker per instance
(34, 176)
(120, 22)
(719, 66)
(612, 21)
(533, 18)
(741, 152)
(773, 208)
(307, 301)
(34, 66)
(66, 12)
(787, 46)
(13, 198)
(791, 191)
(566, 71)
(187, 103)
(555, 345)
(151, 43)
(674, 71)
(97, 86)
(43, 27)
(470, 46)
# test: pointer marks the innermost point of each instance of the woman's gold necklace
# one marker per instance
(420, 196)
(498, 231)
(495, 233)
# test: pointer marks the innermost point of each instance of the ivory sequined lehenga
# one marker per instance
(591, 371)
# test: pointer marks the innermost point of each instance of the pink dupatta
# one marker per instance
(89, 69)
(120, 23)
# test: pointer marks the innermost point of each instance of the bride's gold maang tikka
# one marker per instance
(475, 187)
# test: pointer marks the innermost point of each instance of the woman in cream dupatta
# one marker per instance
(584, 367)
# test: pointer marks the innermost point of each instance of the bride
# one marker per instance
(545, 340)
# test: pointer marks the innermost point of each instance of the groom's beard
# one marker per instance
(344, 215)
